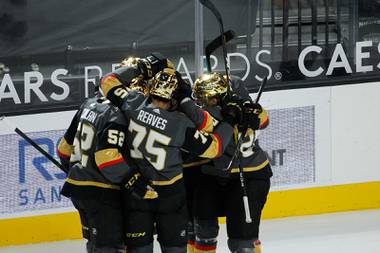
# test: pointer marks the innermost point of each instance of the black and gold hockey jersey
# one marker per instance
(253, 159)
(157, 136)
(94, 143)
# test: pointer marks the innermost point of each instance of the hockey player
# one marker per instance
(157, 133)
(218, 192)
(94, 145)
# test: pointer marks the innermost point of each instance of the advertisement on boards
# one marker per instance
(30, 182)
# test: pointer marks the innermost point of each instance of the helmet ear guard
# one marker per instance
(164, 84)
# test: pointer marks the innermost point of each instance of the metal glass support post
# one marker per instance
(338, 21)
(327, 12)
(272, 28)
(299, 12)
(353, 26)
(249, 31)
(261, 10)
(198, 39)
(355, 22)
(285, 30)
(314, 24)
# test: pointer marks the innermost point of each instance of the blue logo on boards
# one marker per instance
(38, 162)
(34, 170)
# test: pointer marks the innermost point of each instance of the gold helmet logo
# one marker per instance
(164, 84)
(210, 85)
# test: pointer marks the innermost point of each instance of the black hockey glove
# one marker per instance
(183, 90)
(251, 112)
(140, 188)
(232, 112)
(153, 64)
(231, 109)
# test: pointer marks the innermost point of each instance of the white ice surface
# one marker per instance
(349, 232)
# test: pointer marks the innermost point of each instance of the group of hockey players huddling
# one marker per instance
(149, 155)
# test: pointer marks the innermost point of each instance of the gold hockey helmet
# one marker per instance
(129, 62)
(139, 84)
(210, 85)
(164, 84)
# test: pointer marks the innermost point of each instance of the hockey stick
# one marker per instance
(31, 142)
(215, 44)
(236, 155)
(209, 5)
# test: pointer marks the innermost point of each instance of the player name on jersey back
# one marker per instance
(152, 119)
(89, 115)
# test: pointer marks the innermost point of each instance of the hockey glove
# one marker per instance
(183, 90)
(251, 112)
(231, 107)
(232, 113)
(140, 188)
(153, 64)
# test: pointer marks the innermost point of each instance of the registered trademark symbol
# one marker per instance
(278, 75)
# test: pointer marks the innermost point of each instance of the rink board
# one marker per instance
(308, 201)
(31, 183)
(322, 162)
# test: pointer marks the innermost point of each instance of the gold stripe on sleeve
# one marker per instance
(92, 183)
(213, 150)
(263, 116)
(208, 124)
(106, 156)
(186, 165)
(250, 169)
(108, 83)
(65, 148)
(168, 182)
